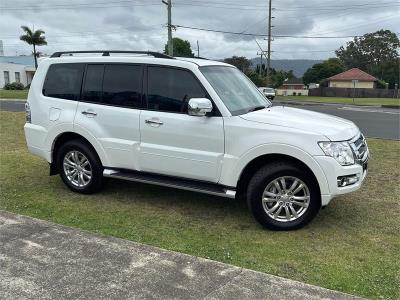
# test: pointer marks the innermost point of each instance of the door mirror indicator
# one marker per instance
(199, 107)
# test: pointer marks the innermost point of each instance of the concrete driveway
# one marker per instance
(41, 260)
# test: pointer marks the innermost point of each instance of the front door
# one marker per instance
(172, 142)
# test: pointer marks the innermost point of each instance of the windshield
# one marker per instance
(237, 92)
(269, 90)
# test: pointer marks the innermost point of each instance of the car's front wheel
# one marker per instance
(282, 196)
(79, 167)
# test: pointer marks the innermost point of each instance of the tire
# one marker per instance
(262, 188)
(78, 151)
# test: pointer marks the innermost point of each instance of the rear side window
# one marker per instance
(64, 81)
(92, 89)
(122, 85)
(171, 89)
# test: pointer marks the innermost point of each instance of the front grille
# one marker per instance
(360, 149)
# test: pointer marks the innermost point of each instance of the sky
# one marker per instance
(141, 25)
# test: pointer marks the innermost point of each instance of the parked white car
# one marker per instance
(267, 92)
(193, 124)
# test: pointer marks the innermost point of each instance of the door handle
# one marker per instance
(153, 122)
(89, 113)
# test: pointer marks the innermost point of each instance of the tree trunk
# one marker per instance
(34, 55)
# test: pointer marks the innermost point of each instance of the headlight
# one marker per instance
(341, 151)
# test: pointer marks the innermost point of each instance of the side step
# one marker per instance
(174, 182)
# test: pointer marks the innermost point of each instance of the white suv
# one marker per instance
(193, 124)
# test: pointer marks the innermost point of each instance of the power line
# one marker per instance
(265, 35)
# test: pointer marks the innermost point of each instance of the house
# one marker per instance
(353, 78)
(292, 87)
(16, 69)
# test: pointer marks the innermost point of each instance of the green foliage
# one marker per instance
(181, 48)
(326, 69)
(376, 53)
(259, 77)
(34, 38)
(14, 86)
(240, 62)
(380, 84)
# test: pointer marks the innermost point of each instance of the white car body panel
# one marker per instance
(183, 146)
(117, 131)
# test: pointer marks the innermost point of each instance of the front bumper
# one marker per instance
(333, 170)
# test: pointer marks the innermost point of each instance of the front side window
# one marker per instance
(17, 77)
(237, 91)
(122, 85)
(6, 77)
(170, 89)
(64, 81)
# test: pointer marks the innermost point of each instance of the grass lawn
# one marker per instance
(352, 246)
(360, 101)
(13, 94)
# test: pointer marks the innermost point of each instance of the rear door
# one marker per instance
(173, 142)
(109, 110)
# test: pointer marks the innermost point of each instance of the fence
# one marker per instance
(356, 93)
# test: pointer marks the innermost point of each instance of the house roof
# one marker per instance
(293, 81)
(353, 74)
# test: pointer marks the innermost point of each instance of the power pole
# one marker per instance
(261, 55)
(198, 49)
(269, 40)
(170, 44)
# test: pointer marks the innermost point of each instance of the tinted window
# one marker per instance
(64, 81)
(92, 88)
(171, 89)
(122, 85)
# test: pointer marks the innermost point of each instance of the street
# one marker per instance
(373, 121)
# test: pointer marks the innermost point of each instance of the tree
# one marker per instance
(321, 71)
(34, 38)
(181, 48)
(240, 62)
(376, 53)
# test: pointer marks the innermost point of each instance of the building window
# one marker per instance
(6, 77)
(17, 77)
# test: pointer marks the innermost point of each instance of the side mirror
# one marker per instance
(199, 107)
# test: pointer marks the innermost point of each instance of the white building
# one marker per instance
(16, 69)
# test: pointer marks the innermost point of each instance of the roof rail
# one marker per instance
(107, 53)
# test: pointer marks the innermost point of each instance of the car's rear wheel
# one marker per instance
(79, 167)
(282, 196)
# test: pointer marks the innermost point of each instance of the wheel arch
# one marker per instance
(62, 139)
(260, 161)
(242, 168)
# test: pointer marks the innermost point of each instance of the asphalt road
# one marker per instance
(372, 121)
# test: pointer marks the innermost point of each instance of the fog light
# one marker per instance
(347, 180)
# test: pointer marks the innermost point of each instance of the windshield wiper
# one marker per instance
(256, 108)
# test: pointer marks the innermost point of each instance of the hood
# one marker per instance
(334, 128)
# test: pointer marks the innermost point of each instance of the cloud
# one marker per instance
(140, 24)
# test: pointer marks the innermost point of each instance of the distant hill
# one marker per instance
(299, 66)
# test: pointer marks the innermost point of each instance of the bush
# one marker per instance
(28, 86)
(381, 84)
(14, 86)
